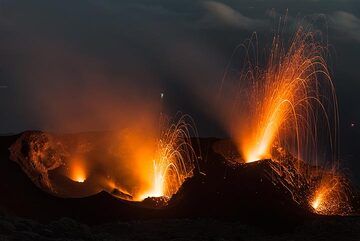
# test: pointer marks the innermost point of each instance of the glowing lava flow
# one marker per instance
(174, 160)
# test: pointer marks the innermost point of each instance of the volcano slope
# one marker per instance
(249, 193)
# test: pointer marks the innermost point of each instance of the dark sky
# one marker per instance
(112, 52)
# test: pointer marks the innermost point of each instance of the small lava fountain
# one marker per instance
(331, 195)
(175, 158)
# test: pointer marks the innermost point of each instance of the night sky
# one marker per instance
(63, 58)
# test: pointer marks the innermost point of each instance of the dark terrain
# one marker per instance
(223, 202)
(331, 228)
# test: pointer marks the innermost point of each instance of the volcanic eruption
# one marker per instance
(174, 159)
(282, 159)
(133, 164)
(289, 104)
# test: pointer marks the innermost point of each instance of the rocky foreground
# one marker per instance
(329, 228)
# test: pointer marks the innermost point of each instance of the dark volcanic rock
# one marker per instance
(47, 159)
(247, 192)
(227, 149)
(322, 228)
(116, 192)
(250, 193)
(37, 153)
(155, 202)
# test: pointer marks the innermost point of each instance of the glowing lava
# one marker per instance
(331, 195)
(321, 198)
(77, 171)
(174, 160)
(318, 201)
(291, 100)
(289, 103)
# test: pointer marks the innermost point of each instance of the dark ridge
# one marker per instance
(219, 189)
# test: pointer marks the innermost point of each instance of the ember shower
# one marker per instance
(159, 158)
(288, 103)
(135, 163)
(284, 108)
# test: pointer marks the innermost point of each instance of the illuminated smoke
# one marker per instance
(77, 170)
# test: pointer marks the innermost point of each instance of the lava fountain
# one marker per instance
(290, 101)
(174, 159)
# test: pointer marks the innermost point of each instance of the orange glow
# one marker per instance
(77, 171)
(286, 101)
(318, 201)
(174, 159)
(159, 178)
(258, 147)
(330, 196)
(322, 196)
(289, 104)
(154, 162)
(135, 150)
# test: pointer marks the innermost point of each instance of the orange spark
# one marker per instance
(174, 159)
(291, 101)
(330, 196)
